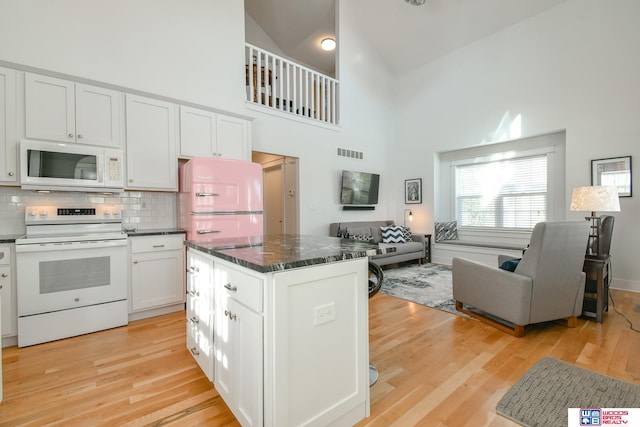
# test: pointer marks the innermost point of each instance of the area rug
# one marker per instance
(426, 284)
(546, 391)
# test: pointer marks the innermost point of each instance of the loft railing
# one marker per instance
(289, 87)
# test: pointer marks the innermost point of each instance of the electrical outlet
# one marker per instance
(324, 313)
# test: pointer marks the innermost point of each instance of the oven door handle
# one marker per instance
(67, 246)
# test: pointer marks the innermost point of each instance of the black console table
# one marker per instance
(596, 289)
(428, 248)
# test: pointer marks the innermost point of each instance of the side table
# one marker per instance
(596, 289)
(428, 248)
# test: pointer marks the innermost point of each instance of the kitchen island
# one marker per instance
(280, 325)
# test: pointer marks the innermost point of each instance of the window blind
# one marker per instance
(509, 193)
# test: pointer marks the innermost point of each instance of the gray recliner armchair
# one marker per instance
(547, 284)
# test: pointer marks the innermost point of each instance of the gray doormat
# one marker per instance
(545, 392)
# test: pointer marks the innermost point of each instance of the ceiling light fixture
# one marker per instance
(328, 44)
(415, 2)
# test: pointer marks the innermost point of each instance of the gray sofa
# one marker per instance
(409, 251)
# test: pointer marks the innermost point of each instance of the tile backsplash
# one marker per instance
(142, 210)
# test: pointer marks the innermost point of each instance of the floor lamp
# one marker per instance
(592, 199)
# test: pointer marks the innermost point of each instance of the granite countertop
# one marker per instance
(282, 252)
(10, 238)
(154, 232)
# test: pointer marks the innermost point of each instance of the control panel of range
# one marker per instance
(71, 214)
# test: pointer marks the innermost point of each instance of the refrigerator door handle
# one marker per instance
(207, 231)
(199, 194)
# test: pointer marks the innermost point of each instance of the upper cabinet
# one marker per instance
(61, 110)
(8, 136)
(208, 134)
(152, 163)
(233, 136)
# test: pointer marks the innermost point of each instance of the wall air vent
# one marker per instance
(352, 154)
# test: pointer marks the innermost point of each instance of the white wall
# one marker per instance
(255, 35)
(573, 67)
(192, 50)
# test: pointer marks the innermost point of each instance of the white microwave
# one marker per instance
(48, 165)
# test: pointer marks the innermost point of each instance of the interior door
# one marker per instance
(274, 200)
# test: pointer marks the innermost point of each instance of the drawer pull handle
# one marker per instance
(194, 293)
(230, 315)
(194, 351)
(158, 246)
(194, 268)
(231, 288)
(194, 319)
(199, 194)
(5, 275)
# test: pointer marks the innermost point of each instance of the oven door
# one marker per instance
(59, 276)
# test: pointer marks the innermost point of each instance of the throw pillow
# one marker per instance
(358, 233)
(392, 234)
(446, 230)
(510, 264)
(406, 233)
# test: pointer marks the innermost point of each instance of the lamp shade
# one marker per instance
(595, 198)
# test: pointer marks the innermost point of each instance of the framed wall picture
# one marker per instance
(615, 171)
(413, 190)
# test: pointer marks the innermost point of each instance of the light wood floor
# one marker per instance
(436, 369)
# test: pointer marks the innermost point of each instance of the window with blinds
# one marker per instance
(506, 193)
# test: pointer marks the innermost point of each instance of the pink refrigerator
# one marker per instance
(220, 198)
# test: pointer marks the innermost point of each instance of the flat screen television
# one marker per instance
(359, 188)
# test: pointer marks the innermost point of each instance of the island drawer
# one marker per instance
(242, 287)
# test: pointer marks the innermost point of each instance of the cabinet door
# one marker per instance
(233, 138)
(151, 144)
(8, 136)
(248, 373)
(49, 108)
(6, 294)
(224, 357)
(98, 116)
(197, 132)
(157, 279)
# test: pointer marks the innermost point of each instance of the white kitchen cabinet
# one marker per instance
(239, 342)
(8, 135)
(208, 134)
(7, 292)
(233, 137)
(64, 111)
(200, 310)
(157, 272)
(197, 132)
(152, 163)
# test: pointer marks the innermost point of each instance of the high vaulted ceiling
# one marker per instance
(405, 36)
